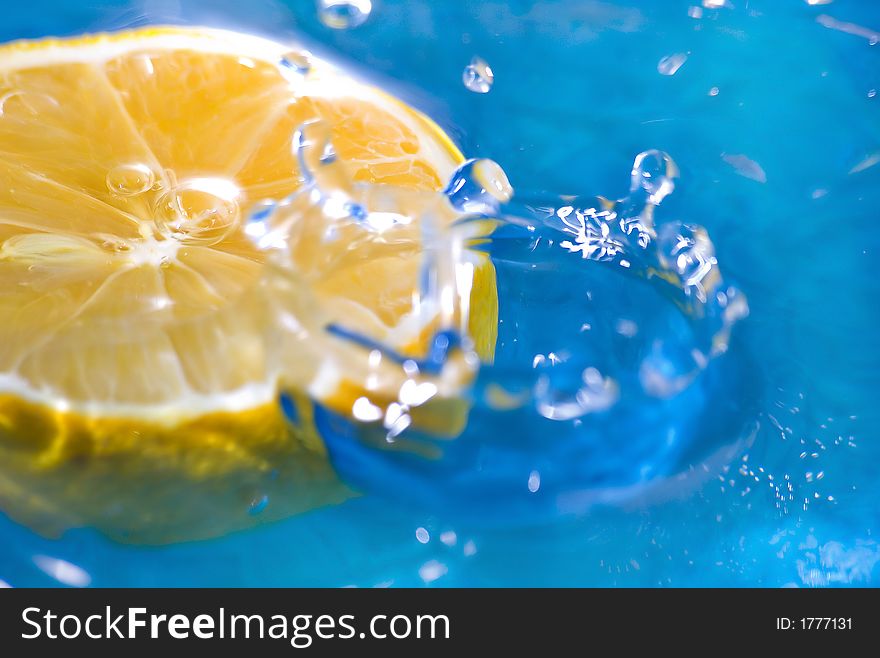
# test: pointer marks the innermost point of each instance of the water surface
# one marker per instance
(771, 116)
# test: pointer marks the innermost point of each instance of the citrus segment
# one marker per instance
(134, 362)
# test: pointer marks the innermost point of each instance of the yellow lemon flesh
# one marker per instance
(138, 390)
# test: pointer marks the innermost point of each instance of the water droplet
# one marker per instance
(200, 210)
(687, 251)
(695, 12)
(396, 421)
(296, 64)
(479, 186)
(258, 504)
(745, 167)
(671, 63)
(872, 93)
(626, 328)
(534, 481)
(654, 172)
(413, 395)
(130, 179)
(449, 537)
(63, 571)
(714, 91)
(431, 571)
(478, 76)
(344, 14)
(596, 393)
(422, 535)
(366, 411)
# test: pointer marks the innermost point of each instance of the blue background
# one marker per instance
(577, 95)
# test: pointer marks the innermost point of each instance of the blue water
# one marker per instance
(770, 475)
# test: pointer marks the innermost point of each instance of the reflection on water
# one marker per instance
(789, 199)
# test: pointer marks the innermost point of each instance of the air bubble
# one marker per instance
(478, 76)
(200, 210)
(479, 186)
(130, 179)
(344, 14)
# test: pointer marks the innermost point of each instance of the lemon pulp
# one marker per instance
(136, 391)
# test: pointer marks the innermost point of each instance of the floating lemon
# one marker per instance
(142, 345)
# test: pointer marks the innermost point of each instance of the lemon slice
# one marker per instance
(139, 375)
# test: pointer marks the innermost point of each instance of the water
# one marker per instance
(130, 179)
(478, 76)
(670, 64)
(769, 479)
(344, 14)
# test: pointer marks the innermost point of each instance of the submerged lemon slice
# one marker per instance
(138, 392)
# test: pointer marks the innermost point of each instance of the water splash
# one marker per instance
(596, 393)
(617, 358)
(398, 372)
(623, 364)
